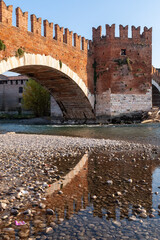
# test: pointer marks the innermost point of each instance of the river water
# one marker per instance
(143, 133)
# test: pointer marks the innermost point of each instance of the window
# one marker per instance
(123, 52)
(20, 89)
(16, 82)
(11, 82)
(21, 81)
(20, 100)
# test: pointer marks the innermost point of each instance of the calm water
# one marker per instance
(149, 133)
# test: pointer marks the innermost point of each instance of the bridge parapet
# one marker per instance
(156, 75)
(36, 24)
(22, 23)
(5, 13)
(21, 19)
(48, 29)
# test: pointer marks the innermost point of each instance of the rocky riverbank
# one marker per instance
(153, 116)
(30, 163)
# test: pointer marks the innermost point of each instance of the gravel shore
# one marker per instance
(30, 163)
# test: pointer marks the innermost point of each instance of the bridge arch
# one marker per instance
(155, 93)
(154, 83)
(68, 89)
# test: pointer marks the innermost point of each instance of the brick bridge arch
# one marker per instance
(68, 89)
(155, 87)
(109, 75)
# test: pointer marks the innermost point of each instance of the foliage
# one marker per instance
(60, 64)
(121, 61)
(124, 61)
(20, 52)
(95, 72)
(36, 98)
(2, 46)
(129, 64)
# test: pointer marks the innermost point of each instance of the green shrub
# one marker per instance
(20, 52)
(2, 46)
(60, 64)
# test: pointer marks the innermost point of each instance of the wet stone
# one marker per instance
(90, 207)
(49, 212)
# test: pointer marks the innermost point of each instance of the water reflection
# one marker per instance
(99, 197)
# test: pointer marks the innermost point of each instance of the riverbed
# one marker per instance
(57, 187)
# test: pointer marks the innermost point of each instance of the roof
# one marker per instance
(8, 78)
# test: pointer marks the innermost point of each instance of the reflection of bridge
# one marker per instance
(89, 177)
(86, 186)
(156, 87)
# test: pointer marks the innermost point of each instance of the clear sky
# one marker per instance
(81, 15)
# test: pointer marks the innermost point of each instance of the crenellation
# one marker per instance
(116, 72)
(6, 13)
(110, 31)
(68, 36)
(59, 33)
(90, 43)
(48, 29)
(136, 32)
(77, 41)
(21, 19)
(123, 32)
(96, 33)
(84, 44)
(147, 34)
(36, 24)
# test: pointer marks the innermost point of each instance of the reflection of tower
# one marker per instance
(74, 197)
(131, 183)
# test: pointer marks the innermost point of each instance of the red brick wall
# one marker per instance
(113, 71)
(60, 48)
(103, 69)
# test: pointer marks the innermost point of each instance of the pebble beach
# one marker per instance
(29, 164)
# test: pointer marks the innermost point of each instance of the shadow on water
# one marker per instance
(103, 196)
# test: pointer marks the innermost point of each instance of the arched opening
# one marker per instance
(68, 90)
(68, 95)
(155, 94)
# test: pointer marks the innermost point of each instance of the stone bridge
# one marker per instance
(156, 87)
(104, 77)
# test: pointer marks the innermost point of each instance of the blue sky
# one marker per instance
(81, 15)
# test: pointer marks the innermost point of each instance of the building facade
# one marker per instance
(11, 90)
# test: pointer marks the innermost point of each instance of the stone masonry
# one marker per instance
(104, 77)
(122, 70)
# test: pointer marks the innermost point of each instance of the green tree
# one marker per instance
(36, 98)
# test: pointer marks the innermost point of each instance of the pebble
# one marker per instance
(130, 180)
(42, 205)
(49, 230)
(49, 212)
(28, 164)
(143, 215)
(116, 223)
(3, 205)
(110, 182)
